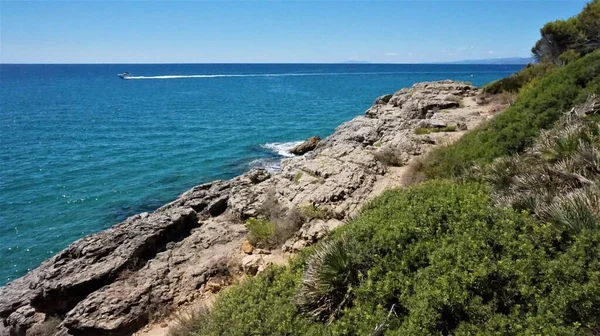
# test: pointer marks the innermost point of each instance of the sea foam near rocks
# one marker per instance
(282, 148)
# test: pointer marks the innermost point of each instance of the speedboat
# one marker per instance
(124, 75)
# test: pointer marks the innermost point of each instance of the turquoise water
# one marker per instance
(81, 149)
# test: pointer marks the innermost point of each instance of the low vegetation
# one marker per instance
(261, 230)
(297, 177)
(442, 258)
(558, 179)
(537, 108)
(515, 82)
(312, 211)
(274, 223)
(390, 157)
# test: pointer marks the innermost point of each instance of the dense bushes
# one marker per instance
(443, 260)
(515, 82)
(537, 107)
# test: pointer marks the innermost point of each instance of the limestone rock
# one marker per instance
(251, 263)
(247, 247)
(307, 146)
(382, 100)
(213, 286)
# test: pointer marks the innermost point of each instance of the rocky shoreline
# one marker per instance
(116, 281)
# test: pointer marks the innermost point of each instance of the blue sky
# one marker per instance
(215, 32)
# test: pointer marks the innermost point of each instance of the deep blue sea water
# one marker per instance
(81, 149)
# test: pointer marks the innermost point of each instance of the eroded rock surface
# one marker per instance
(114, 281)
(305, 147)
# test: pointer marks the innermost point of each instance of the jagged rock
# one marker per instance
(214, 286)
(382, 100)
(432, 123)
(114, 281)
(218, 207)
(261, 251)
(257, 175)
(305, 147)
(310, 233)
(251, 263)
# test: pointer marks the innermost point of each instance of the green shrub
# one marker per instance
(444, 261)
(510, 132)
(390, 157)
(422, 130)
(261, 230)
(515, 82)
(260, 306)
(312, 211)
(568, 57)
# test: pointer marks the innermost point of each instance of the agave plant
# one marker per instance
(327, 281)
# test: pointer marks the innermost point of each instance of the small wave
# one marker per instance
(271, 165)
(282, 148)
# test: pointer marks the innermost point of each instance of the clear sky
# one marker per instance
(288, 32)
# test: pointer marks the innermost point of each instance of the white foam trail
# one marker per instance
(265, 75)
(282, 148)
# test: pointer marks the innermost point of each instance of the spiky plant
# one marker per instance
(501, 172)
(557, 178)
(327, 281)
(577, 211)
(189, 322)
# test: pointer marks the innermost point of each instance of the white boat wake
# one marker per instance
(264, 75)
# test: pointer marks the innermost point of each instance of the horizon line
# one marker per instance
(344, 63)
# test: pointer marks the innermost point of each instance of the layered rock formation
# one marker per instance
(113, 282)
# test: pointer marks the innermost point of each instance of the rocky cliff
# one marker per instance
(115, 281)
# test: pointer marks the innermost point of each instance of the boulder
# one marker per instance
(247, 247)
(307, 146)
(251, 263)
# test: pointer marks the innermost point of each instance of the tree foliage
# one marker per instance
(580, 33)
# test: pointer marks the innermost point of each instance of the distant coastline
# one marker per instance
(497, 61)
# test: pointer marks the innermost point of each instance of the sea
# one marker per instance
(82, 149)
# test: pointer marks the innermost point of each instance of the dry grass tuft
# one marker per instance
(414, 172)
(390, 157)
(189, 322)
